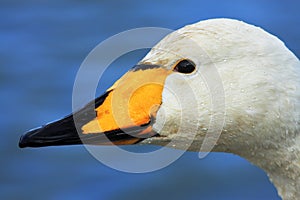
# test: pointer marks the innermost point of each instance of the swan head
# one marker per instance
(218, 72)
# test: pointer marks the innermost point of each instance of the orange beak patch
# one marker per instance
(133, 101)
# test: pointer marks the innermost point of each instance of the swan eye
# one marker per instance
(185, 67)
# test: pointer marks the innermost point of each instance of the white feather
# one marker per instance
(261, 81)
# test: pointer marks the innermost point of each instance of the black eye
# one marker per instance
(185, 66)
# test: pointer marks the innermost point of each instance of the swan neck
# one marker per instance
(283, 168)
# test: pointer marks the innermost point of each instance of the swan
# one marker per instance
(260, 80)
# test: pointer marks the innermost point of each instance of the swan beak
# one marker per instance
(123, 115)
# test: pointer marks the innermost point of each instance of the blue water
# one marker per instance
(42, 46)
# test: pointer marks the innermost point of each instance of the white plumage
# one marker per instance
(261, 81)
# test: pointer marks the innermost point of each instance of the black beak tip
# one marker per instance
(22, 141)
(26, 138)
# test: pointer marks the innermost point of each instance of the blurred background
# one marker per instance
(42, 46)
